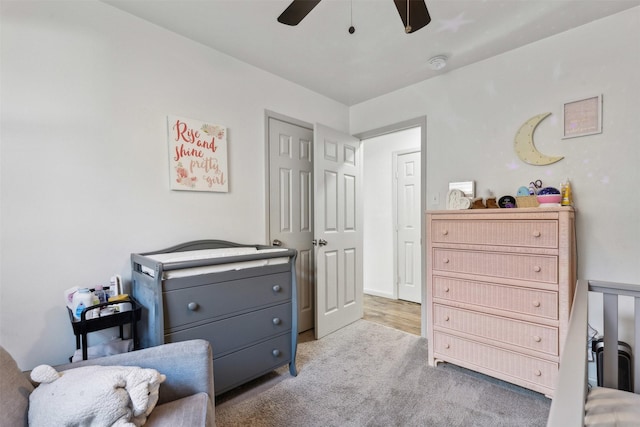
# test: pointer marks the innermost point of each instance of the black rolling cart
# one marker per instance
(85, 326)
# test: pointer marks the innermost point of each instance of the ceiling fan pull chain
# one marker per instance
(352, 29)
(407, 29)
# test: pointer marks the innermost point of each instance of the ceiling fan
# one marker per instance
(414, 13)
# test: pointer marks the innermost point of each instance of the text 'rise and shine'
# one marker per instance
(193, 144)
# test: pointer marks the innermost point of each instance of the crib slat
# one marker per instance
(610, 351)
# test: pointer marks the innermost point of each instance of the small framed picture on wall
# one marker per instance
(582, 117)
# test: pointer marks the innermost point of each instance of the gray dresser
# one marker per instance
(244, 304)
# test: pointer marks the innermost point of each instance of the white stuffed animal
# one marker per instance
(93, 396)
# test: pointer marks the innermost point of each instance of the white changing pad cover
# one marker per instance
(211, 254)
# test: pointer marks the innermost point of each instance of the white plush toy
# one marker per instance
(93, 396)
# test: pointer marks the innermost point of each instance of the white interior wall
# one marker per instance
(378, 234)
(473, 114)
(84, 179)
(86, 89)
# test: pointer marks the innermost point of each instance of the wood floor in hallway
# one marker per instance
(397, 314)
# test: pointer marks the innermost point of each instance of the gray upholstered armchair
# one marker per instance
(186, 397)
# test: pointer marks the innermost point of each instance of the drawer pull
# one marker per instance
(537, 234)
(536, 303)
(275, 352)
(446, 318)
(537, 373)
(447, 346)
(276, 288)
(445, 260)
(276, 321)
(537, 338)
(446, 289)
(193, 306)
(537, 269)
(445, 232)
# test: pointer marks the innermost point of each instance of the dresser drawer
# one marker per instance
(500, 363)
(236, 332)
(536, 268)
(244, 365)
(500, 297)
(497, 329)
(219, 300)
(535, 234)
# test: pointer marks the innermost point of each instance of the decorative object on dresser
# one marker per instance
(240, 298)
(467, 187)
(457, 200)
(499, 290)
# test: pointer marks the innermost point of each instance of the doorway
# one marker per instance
(419, 126)
(392, 229)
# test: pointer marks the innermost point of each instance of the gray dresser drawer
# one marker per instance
(244, 365)
(218, 300)
(234, 333)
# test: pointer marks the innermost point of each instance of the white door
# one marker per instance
(291, 205)
(408, 239)
(338, 229)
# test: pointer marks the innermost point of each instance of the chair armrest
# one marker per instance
(188, 366)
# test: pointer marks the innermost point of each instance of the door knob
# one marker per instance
(276, 242)
(322, 242)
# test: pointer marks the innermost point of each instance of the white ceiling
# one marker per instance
(379, 57)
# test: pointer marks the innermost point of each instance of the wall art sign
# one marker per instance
(582, 117)
(197, 155)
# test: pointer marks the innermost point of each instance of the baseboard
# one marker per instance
(379, 294)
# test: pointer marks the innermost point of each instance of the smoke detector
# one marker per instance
(438, 62)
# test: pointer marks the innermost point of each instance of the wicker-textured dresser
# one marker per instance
(500, 284)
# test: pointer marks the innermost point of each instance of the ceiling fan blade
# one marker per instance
(418, 14)
(296, 11)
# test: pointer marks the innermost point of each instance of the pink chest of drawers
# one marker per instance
(499, 288)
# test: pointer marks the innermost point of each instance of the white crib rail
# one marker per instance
(567, 406)
(610, 292)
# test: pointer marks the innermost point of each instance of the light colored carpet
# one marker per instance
(367, 374)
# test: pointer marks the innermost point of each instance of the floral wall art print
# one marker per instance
(197, 155)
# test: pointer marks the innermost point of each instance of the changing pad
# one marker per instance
(212, 254)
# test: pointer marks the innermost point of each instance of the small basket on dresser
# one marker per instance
(527, 202)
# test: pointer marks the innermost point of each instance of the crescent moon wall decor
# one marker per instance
(526, 149)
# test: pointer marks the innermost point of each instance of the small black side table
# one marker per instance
(84, 326)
